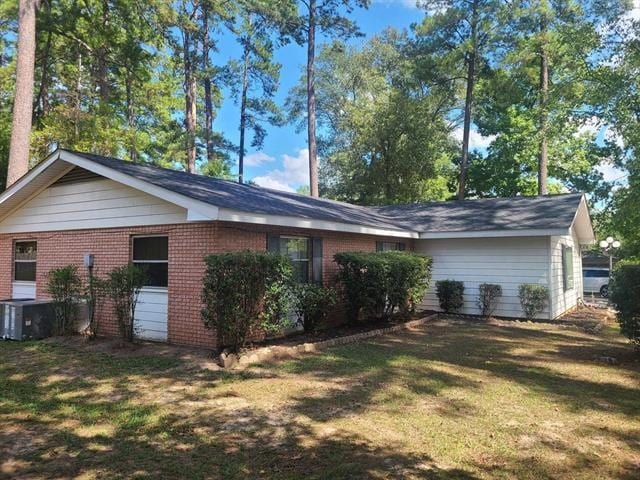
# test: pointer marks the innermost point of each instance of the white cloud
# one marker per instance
(591, 125)
(612, 135)
(476, 141)
(402, 3)
(258, 158)
(295, 172)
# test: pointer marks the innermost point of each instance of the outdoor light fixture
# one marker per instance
(608, 246)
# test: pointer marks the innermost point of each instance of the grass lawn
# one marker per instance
(452, 399)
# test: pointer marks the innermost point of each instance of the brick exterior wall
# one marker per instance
(188, 245)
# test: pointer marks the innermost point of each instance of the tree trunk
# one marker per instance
(243, 109)
(131, 120)
(311, 101)
(208, 102)
(190, 103)
(103, 73)
(468, 101)
(543, 162)
(78, 98)
(23, 99)
(42, 100)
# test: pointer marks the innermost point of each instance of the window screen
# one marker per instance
(25, 254)
(152, 254)
(299, 251)
(567, 267)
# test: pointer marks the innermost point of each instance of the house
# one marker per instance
(74, 203)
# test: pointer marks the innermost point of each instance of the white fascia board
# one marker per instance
(196, 210)
(229, 215)
(26, 179)
(496, 233)
(585, 232)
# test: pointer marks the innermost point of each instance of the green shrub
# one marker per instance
(123, 285)
(243, 291)
(488, 298)
(624, 294)
(450, 295)
(408, 277)
(313, 304)
(65, 287)
(375, 284)
(533, 299)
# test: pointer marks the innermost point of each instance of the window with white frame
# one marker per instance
(152, 254)
(24, 257)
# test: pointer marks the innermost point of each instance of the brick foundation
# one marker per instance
(188, 245)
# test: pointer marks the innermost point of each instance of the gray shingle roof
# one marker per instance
(518, 213)
(246, 198)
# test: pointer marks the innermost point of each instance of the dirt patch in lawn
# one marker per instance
(452, 399)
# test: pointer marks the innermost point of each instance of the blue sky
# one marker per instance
(283, 163)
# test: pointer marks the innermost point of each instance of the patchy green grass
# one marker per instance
(452, 399)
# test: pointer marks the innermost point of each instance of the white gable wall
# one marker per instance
(508, 262)
(562, 300)
(95, 203)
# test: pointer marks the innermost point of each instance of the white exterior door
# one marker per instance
(23, 290)
(150, 322)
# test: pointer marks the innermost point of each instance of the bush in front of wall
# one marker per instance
(123, 285)
(376, 284)
(408, 277)
(245, 290)
(533, 299)
(450, 295)
(313, 303)
(488, 296)
(65, 287)
(624, 294)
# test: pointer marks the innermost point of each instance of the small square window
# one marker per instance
(25, 254)
(152, 254)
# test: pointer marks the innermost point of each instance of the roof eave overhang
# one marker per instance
(582, 224)
(229, 215)
(495, 233)
(61, 161)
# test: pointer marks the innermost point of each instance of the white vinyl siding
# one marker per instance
(99, 203)
(150, 322)
(564, 300)
(507, 262)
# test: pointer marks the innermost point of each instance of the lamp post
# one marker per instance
(609, 245)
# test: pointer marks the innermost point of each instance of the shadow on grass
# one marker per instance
(60, 421)
(66, 415)
(413, 360)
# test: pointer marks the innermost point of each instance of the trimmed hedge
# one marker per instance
(533, 299)
(375, 284)
(450, 295)
(488, 295)
(624, 294)
(244, 291)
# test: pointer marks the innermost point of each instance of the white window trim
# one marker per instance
(13, 277)
(152, 288)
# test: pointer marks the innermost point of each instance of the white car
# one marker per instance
(596, 280)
